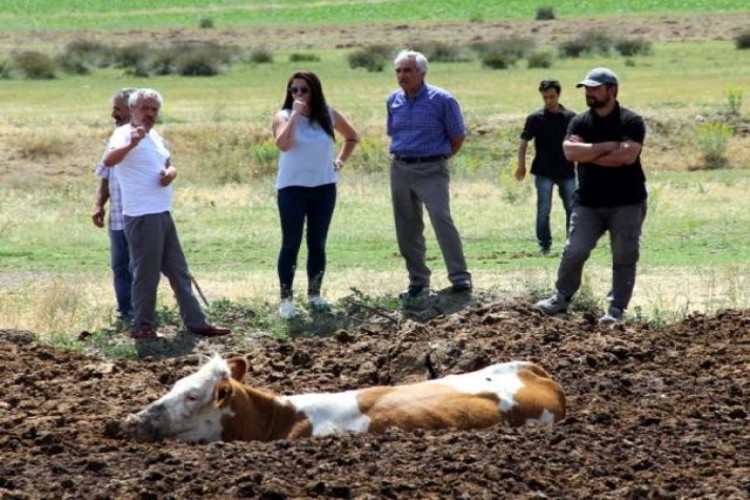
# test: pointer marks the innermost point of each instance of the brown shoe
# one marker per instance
(145, 334)
(211, 331)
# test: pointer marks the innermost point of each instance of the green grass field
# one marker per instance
(121, 14)
(53, 262)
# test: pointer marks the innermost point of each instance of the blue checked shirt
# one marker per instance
(116, 222)
(424, 125)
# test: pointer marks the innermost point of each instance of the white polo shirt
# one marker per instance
(139, 173)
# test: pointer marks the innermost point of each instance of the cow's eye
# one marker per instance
(191, 398)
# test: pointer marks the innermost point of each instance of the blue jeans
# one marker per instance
(123, 276)
(297, 203)
(544, 187)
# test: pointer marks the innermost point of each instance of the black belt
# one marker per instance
(419, 159)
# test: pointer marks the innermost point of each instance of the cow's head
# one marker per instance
(194, 408)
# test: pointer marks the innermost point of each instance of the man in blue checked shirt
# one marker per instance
(426, 128)
(109, 189)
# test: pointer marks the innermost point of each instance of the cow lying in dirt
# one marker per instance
(214, 404)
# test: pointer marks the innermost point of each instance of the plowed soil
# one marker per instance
(653, 413)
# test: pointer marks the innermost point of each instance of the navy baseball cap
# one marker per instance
(598, 76)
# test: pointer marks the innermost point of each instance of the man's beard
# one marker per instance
(592, 103)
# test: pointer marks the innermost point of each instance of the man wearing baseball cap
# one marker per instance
(606, 143)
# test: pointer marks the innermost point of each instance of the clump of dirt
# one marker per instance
(653, 412)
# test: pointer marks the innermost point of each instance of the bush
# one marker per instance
(261, 55)
(185, 59)
(498, 60)
(205, 23)
(732, 108)
(35, 65)
(504, 52)
(372, 58)
(6, 69)
(541, 59)
(131, 56)
(634, 47)
(203, 59)
(297, 57)
(545, 13)
(712, 139)
(81, 56)
(588, 43)
(742, 41)
(443, 52)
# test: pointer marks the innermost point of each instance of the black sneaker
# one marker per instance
(461, 286)
(413, 291)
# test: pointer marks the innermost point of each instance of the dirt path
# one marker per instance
(653, 413)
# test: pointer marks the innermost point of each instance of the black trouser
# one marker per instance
(297, 203)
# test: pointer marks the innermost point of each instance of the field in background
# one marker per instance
(124, 15)
(53, 274)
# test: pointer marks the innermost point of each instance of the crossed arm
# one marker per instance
(606, 154)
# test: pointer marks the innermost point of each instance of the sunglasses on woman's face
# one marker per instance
(299, 90)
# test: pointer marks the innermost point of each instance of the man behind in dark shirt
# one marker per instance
(606, 143)
(547, 128)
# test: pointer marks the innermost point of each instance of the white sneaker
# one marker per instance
(286, 309)
(319, 304)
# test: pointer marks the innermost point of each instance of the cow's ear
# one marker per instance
(223, 393)
(238, 367)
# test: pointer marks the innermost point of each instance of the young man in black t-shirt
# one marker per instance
(547, 127)
(606, 143)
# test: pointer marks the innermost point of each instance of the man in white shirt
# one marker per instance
(145, 174)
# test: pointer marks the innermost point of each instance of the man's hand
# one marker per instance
(98, 217)
(520, 173)
(136, 135)
(167, 175)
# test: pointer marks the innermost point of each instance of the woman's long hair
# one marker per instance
(317, 102)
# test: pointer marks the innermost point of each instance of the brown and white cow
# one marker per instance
(214, 404)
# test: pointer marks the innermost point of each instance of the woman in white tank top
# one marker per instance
(303, 130)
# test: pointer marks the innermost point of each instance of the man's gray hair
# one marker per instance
(124, 94)
(418, 57)
(140, 94)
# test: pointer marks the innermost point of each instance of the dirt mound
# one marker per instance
(652, 413)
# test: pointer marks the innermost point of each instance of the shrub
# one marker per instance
(131, 56)
(372, 58)
(545, 13)
(185, 59)
(6, 69)
(733, 104)
(504, 52)
(297, 57)
(742, 41)
(261, 55)
(712, 139)
(634, 47)
(205, 23)
(81, 56)
(35, 65)
(516, 47)
(498, 60)
(443, 52)
(203, 59)
(588, 43)
(541, 59)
